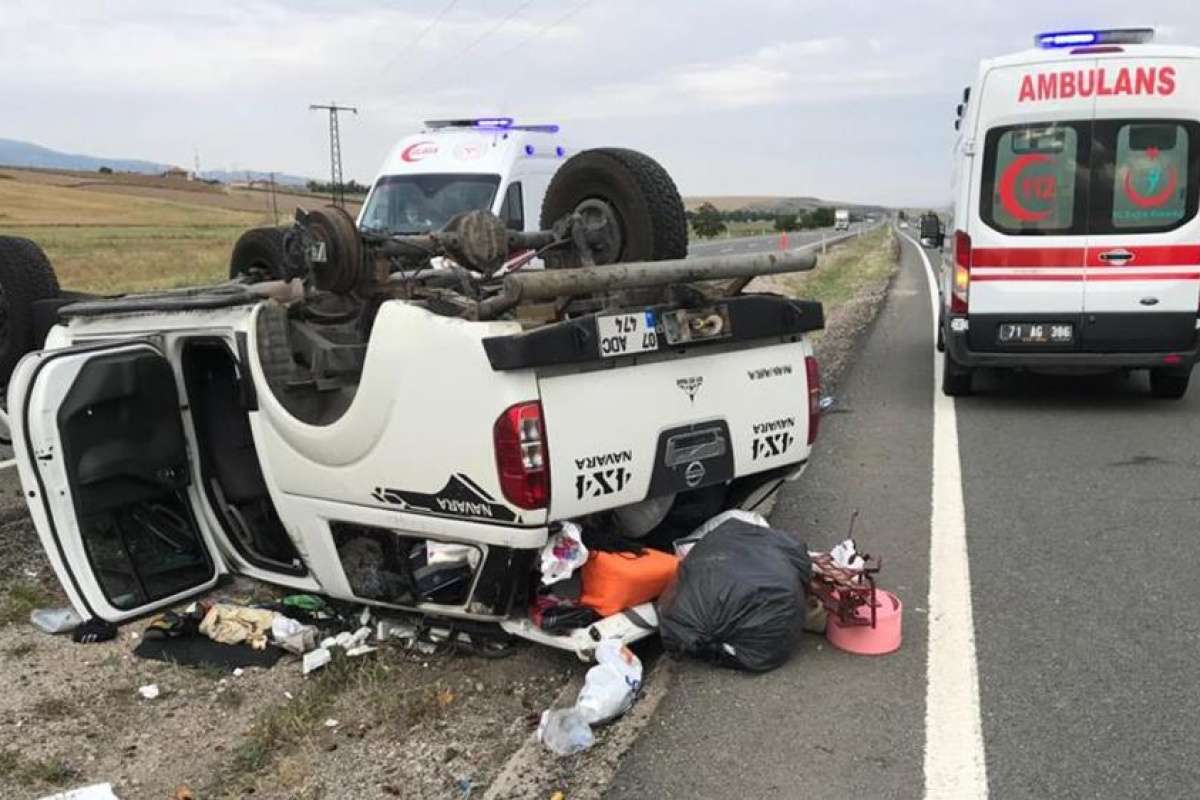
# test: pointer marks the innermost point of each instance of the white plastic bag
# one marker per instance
(564, 731)
(611, 686)
(682, 546)
(55, 620)
(563, 553)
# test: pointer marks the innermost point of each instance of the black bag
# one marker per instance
(738, 598)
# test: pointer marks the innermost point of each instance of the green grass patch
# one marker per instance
(843, 271)
(52, 772)
(20, 598)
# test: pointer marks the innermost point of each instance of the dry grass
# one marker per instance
(841, 272)
(19, 598)
(23, 204)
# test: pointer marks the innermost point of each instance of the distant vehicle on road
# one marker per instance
(1076, 238)
(932, 230)
(841, 219)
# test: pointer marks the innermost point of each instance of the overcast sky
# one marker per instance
(843, 100)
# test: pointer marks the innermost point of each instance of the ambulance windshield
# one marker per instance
(409, 204)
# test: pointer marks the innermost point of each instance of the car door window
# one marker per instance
(1033, 182)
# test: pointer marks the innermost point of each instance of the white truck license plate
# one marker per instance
(625, 334)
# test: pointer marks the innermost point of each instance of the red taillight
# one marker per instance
(522, 458)
(814, 396)
(960, 286)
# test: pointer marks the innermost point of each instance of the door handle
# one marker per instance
(1119, 256)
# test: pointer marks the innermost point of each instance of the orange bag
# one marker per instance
(613, 582)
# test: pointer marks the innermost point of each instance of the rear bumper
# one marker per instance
(1146, 345)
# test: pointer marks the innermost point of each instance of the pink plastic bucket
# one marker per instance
(864, 640)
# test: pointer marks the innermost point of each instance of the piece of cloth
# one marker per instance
(236, 624)
(198, 651)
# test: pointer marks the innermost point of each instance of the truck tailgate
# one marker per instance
(620, 434)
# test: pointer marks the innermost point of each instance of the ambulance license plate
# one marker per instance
(1036, 333)
(626, 334)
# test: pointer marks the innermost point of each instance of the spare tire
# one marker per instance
(25, 277)
(258, 256)
(344, 268)
(626, 192)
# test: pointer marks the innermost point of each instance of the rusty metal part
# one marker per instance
(478, 239)
(534, 287)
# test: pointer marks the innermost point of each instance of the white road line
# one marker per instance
(955, 768)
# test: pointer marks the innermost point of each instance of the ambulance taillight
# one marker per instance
(961, 280)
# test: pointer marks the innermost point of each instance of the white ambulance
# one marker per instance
(460, 165)
(1076, 243)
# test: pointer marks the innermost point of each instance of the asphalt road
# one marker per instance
(1079, 504)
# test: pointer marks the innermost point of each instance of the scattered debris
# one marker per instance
(564, 731)
(563, 553)
(55, 620)
(149, 692)
(331, 723)
(315, 659)
(99, 791)
(609, 690)
(94, 630)
(739, 597)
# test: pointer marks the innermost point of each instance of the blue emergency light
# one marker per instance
(488, 124)
(1055, 39)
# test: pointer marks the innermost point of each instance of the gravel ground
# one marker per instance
(404, 725)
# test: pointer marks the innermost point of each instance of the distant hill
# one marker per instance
(14, 153)
(27, 154)
(770, 205)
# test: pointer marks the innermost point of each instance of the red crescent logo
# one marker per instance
(1156, 199)
(418, 150)
(1008, 188)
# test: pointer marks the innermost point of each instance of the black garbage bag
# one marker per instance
(738, 598)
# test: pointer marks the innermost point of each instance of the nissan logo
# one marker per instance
(694, 474)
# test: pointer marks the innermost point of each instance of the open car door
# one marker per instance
(103, 460)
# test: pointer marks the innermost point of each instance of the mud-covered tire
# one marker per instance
(25, 277)
(344, 268)
(634, 189)
(258, 256)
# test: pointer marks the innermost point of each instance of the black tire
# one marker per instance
(25, 277)
(344, 268)
(258, 256)
(1169, 384)
(956, 379)
(633, 190)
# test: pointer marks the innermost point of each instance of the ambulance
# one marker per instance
(1075, 243)
(456, 165)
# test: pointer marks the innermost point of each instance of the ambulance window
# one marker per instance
(1030, 174)
(1150, 185)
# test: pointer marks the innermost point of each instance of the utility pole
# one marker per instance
(274, 205)
(337, 190)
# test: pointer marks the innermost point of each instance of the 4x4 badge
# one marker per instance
(690, 386)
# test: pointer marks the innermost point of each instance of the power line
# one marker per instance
(336, 189)
(542, 31)
(420, 37)
(460, 52)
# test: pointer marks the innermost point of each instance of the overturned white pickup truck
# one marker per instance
(383, 430)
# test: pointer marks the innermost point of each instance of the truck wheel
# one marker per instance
(1169, 384)
(258, 256)
(25, 277)
(344, 267)
(956, 379)
(627, 194)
